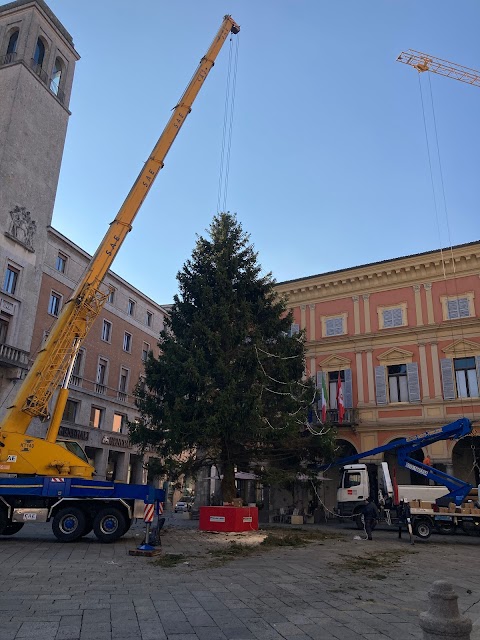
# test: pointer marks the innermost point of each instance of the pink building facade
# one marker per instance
(404, 335)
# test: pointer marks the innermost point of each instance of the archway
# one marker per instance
(466, 460)
(403, 475)
(328, 488)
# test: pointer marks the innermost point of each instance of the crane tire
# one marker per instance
(69, 524)
(3, 520)
(12, 528)
(109, 524)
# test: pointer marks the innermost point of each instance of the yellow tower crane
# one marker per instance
(425, 62)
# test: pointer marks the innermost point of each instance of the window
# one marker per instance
(149, 318)
(107, 331)
(12, 47)
(392, 317)
(77, 370)
(3, 330)
(96, 417)
(145, 350)
(39, 54)
(101, 376)
(122, 384)
(54, 304)
(131, 307)
(70, 411)
(119, 422)
(56, 77)
(111, 295)
(61, 262)
(466, 377)
(458, 308)
(454, 308)
(10, 280)
(127, 342)
(397, 383)
(352, 479)
(333, 326)
(332, 387)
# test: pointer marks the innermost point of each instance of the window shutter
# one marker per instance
(294, 329)
(348, 391)
(380, 385)
(387, 318)
(452, 306)
(463, 308)
(413, 382)
(477, 366)
(338, 326)
(330, 327)
(397, 317)
(319, 379)
(447, 379)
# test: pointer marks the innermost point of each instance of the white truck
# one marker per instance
(449, 505)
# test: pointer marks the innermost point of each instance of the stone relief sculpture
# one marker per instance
(23, 228)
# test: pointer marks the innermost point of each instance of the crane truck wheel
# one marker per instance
(109, 524)
(422, 529)
(447, 528)
(69, 524)
(3, 520)
(12, 528)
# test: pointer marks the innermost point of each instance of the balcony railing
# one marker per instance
(76, 381)
(350, 417)
(37, 70)
(100, 388)
(13, 357)
(122, 396)
(8, 58)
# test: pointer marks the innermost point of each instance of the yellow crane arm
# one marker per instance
(425, 62)
(78, 314)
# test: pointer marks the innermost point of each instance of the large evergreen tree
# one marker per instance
(228, 387)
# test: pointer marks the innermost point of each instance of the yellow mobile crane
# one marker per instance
(25, 455)
(425, 62)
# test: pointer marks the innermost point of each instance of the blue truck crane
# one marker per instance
(441, 507)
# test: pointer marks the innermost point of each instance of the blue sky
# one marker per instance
(328, 165)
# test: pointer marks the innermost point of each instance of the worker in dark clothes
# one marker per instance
(370, 514)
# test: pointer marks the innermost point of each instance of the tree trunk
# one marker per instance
(229, 491)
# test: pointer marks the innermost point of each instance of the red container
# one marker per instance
(228, 519)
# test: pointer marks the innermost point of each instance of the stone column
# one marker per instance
(418, 305)
(370, 377)
(437, 382)
(121, 470)
(361, 396)
(428, 294)
(303, 316)
(101, 461)
(366, 311)
(312, 322)
(356, 314)
(424, 372)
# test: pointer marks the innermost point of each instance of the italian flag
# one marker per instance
(324, 399)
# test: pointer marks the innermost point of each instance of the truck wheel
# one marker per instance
(109, 525)
(12, 528)
(422, 529)
(69, 524)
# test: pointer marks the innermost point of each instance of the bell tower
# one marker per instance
(37, 63)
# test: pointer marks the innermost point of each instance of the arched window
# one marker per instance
(12, 43)
(56, 77)
(39, 53)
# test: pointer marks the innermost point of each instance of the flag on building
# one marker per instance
(324, 398)
(340, 400)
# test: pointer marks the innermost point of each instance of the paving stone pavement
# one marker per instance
(338, 588)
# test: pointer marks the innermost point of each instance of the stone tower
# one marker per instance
(37, 63)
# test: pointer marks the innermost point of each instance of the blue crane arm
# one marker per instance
(405, 446)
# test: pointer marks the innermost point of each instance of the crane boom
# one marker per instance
(425, 62)
(78, 314)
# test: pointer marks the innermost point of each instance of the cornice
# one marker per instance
(399, 272)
